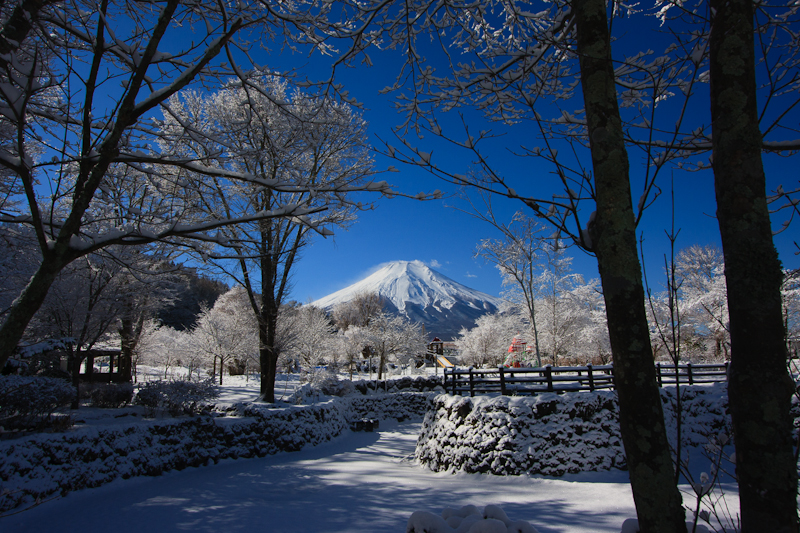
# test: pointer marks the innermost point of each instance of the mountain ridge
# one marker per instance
(414, 290)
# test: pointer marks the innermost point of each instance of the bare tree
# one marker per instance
(81, 83)
(225, 332)
(315, 339)
(264, 127)
(359, 311)
(394, 338)
(701, 285)
(518, 257)
(487, 343)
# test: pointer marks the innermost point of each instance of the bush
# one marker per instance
(28, 402)
(176, 397)
(108, 395)
(329, 384)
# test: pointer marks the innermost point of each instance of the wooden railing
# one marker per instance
(526, 381)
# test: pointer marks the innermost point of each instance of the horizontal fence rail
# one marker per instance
(527, 381)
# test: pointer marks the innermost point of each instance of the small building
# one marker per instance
(436, 346)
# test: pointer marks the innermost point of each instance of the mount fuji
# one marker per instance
(412, 289)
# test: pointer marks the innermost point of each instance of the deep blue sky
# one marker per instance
(445, 238)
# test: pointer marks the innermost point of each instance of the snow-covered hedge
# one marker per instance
(704, 413)
(548, 434)
(39, 465)
(553, 434)
(30, 401)
(177, 397)
(326, 384)
(400, 406)
(403, 384)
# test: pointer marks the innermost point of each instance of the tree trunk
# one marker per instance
(381, 364)
(658, 502)
(267, 358)
(759, 387)
(127, 345)
(25, 307)
(76, 358)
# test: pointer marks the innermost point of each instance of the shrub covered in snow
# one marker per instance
(39, 465)
(547, 434)
(406, 383)
(555, 434)
(329, 384)
(107, 395)
(325, 383)
(176, 397)
(468, 519)
(29, 401)
(705, 406)
(399, 406)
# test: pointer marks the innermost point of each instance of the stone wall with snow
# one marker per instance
(546, 434)
(40, 465)
(553, 434)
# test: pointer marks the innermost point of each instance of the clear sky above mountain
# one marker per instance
(445, 238)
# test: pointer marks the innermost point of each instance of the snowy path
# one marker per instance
(361, 482)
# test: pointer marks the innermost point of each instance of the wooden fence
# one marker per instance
(527, 381)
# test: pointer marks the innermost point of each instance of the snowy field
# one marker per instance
(359, 482)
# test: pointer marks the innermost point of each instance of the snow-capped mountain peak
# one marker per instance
(413, 289)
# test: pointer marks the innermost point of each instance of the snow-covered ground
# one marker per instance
(359, 482)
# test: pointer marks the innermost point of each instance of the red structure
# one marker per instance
(517, 353)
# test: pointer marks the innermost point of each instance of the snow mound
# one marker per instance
(467, 519)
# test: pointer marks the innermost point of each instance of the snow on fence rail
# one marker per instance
(520, 381)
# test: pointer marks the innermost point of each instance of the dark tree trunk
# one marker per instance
(267, 357)
(90, 367)
(76, 358)
(128, 343)
(25, 307)
(268, 312)
(759, 387)
(613, 234)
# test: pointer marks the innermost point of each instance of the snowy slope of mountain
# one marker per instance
(412, 289)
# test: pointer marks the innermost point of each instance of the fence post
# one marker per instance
(658, 375)
(453, 376)
(727, 370)
(591, 378)
(689, 372)
(471, 383)
(502, 370)
(548, 372)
